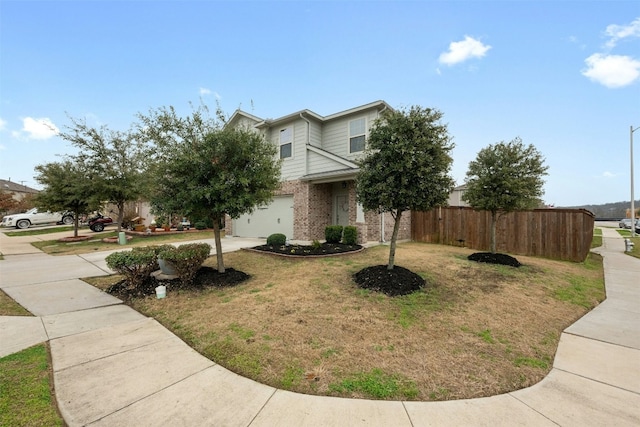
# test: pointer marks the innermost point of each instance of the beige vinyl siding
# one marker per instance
(336, 134)
(245, 122)
(317, 163)
(316, 134)
(293, 167)
(336, 137)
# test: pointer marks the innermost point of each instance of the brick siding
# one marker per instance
(313, 212)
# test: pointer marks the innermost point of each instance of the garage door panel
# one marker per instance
(276, 217)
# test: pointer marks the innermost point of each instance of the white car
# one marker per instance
(33, 217)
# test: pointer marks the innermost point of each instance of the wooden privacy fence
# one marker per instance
(563, 234)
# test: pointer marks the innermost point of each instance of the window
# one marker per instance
(356, 135)
(286, 142)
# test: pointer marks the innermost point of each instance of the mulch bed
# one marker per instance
(490, 258)
(206, 277)
(398, 281)
(324, 249)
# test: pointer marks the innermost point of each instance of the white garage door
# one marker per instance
(276, 217)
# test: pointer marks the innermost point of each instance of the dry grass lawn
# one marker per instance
(302, 324)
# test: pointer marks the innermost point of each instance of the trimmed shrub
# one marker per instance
(200, 225)
(350, 235)
(277, 239)
(333, 233)
(187, 259)
(135, 265)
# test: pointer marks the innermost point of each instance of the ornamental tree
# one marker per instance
(67, 187)
(505, 177)
(406, 165)
(116, 162)
(213, 171)
(7, 202)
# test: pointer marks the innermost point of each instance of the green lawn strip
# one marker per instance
(636, 242)
(583, 291)
(40, 231)
(55, 247)
(597, 238)
(25, 390)
(376, 384)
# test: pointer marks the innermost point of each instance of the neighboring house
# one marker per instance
(319, 166)
(19, 191)
(21, 195)
(455, 198)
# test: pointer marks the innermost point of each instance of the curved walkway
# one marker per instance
(114, 367)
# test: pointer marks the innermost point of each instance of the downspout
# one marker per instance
(381, 111)
(382, 240)
(306, 163)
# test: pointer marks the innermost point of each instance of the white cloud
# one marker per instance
(463, 50)
(2, 147)
(2, 124)
(39, 128)
(619, 32)
(608, 174)
(204, 91)
(612, 71)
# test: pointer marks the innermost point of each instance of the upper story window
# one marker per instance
(357, 138)
(286, 142)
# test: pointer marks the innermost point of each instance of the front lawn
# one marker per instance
(55, 247)
(25, 389)
(303, 325)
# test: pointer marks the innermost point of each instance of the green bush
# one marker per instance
(136, 265)
(350, 235)
(206, 223)
(277, 239)
(200, 225)
(186, 259)
(333, 233)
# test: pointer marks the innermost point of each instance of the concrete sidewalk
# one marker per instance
(114, 367)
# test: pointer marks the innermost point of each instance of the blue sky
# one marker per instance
(562, 75)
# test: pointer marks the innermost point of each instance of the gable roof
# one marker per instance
(308, 114)
(15, 187)
(238, 114)
(376, 104)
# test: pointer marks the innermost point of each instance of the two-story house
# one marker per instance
(319, 166)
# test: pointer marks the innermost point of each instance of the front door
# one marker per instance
(342, 209)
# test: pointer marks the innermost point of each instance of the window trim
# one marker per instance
(351, 137)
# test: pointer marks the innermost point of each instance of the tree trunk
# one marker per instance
(492, 245)
(120, 215)
(394, 238)
(76, 220)
(216, 232)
